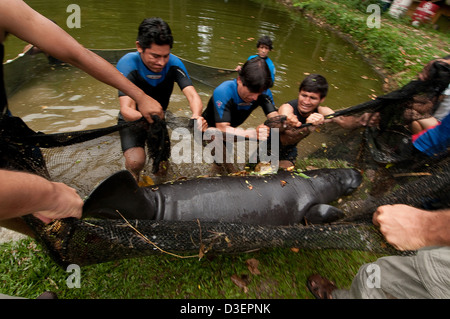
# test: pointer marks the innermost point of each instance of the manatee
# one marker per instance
(285, 198)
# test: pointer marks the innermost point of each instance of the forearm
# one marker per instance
(438, 223)
(23, 194)
(128, 109)
(195, 102)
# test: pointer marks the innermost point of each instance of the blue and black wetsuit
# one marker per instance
(157, 85)
(226, 105)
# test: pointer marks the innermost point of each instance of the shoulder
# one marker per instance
(130, 57)
(227, 86)
(129, 61)
(176, 61)
(226, 91)
(286, 108)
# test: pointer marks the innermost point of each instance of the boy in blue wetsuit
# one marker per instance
(233, 101)
(264, 46)
(155, 70)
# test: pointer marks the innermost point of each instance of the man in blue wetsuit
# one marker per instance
(264, 46)
(155, 70)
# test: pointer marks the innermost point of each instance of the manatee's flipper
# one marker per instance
(118, 193)
(322, 214)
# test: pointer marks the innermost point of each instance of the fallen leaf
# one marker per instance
(241, 282)
(295, 250)
(252, 265)
(283, 183)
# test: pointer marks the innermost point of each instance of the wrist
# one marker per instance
(436, 228)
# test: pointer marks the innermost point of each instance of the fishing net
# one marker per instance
(83, 159)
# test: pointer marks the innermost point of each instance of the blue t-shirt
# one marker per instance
(157, 85)
(226, 105)
(436, 140)
(269, 64)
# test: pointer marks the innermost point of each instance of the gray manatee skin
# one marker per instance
(279, 199)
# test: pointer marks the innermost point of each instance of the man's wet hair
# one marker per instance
(265, 40)
(255, 75)
(315, 83)
(154, 31)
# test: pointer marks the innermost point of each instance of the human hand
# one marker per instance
(200, 122)
(292, 121)
(262, 132)
(370, 119)
(403, 226)
(148, 107)
(64, 203)
(315, 119)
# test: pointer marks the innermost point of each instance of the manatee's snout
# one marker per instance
(351, 180)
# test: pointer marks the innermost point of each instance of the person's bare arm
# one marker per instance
(409, 228)
(350, 121)
(128, 109)
(261, 133)
(196, 105)
(17, 18)
(22, 194)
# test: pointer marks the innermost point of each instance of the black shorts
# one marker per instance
(132, 136)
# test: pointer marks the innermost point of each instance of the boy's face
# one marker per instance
(156, 57)
(308, 101)
(263, 51)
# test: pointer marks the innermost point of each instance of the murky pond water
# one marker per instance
(215, 33)
(211, 32)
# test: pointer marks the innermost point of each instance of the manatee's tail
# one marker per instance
(118, 194)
